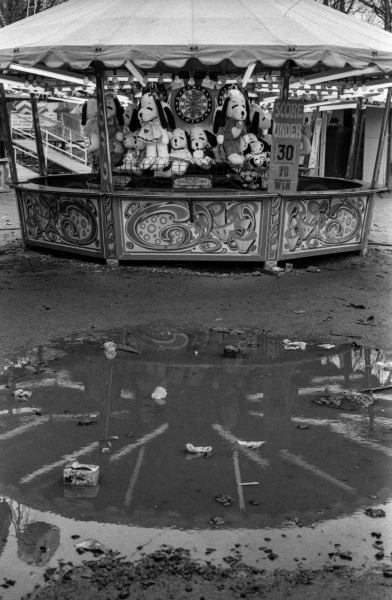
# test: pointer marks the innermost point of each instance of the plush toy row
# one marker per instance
(146, 137)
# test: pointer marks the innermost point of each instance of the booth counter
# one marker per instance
(324, 216)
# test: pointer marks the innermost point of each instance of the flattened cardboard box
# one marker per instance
(80, 474)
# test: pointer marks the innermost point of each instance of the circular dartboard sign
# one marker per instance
(193, 104)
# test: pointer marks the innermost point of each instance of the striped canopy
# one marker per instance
(170, 32)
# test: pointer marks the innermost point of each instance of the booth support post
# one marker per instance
(38, 137)
(376, 171)
(105, 167)
(276, 203)
(354, 140)
(8, 138)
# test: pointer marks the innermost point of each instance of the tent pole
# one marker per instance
(359, 142)
(38, 137)
(105, 163)
(105, 167)
(286, 72)
(381, 141)
(8, 137)
(354, 140)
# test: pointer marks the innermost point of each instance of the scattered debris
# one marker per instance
(199, 449)
(217, 521)
(345, 400)
(224, 499)
(375, 512)
(91, 545)
(313, 270)
(110, 349)
(159, 393)
(22, 394)
(127, 349)
(251, 445)
(250, 483)
(80, 474)
(254, 502)
(327, 346)
(347, 555)
(294, 345)
(288, 267)
(303, 426)
(352, 305)
(387, 571)
(376, 534)
(299, 312)
(231, 352)
(85, 423)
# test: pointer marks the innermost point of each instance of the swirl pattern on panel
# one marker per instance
(61, 219)
(218, 227)
(323, 222)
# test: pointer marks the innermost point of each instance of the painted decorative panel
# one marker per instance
(218, 227)
(323, 223)
(61, 219)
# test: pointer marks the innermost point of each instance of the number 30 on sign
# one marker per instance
(285, 153)
(286, 142)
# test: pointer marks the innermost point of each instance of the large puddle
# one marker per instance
(317, 470)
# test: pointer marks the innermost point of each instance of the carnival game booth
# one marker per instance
(185, 161)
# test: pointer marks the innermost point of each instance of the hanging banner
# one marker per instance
(287, 118)
(313, 162)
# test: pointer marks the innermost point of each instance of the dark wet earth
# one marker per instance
(297, 499)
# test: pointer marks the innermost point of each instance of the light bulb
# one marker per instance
(355, 87)
(115, 79)
(363, 88)
(160, 78)
(223, 79)
(238, 79)
(26, 83)
(302, 80)
(86, 80)
(269, 79)
(191, 81)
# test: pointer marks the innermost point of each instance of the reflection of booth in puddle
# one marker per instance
(5, 522)
(147, 478)
(37, 543)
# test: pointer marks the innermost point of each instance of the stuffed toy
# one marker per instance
(154, 119)
(260, 122)
(90, 125)
(255, 156)
(115, 122)
(180, 155)
(250, 179)
(259, 119)
(136, 151)
(203, 143)
(230, 125)
(306, 144)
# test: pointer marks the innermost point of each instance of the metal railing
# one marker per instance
(70, 144)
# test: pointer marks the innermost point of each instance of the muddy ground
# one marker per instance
(46, 295)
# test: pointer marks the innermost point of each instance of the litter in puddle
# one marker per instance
(80, 474)
(198, 449)
(251, 445)
(159, 393)
(294, 345)
(345, 400)
(91, 545)
(22, 394)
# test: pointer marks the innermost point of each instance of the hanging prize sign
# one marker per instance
(287, 118)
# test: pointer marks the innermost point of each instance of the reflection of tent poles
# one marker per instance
(251, 454)
(301, 462)
(238, 481)
(143, 440)
(133, 480)
(64, 460)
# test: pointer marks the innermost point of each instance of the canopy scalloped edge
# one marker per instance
(177, 57)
